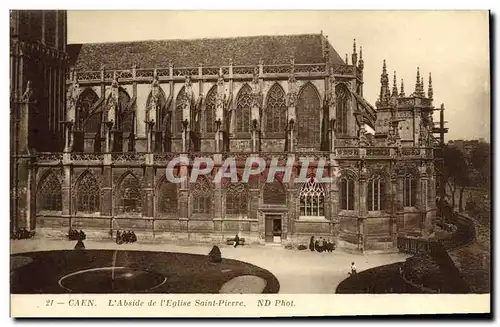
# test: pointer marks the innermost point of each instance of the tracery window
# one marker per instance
(130, 195)
(167, 198)
(179, 108)
(343, 96)
(88, 194)
(243, 109)
(49, 195)
(347, 193)
(274, 193)
(126, 114)
(210, 110)
(201, 193)
(409, 190)
(312, 199)
(308, 117)
(237, 199)
(85, 103)
(376, 194)
(276, 109)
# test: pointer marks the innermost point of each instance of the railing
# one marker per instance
(370, 153)
(49, 157)
(147, 73)
(414, 245)
(128, 156)
(84, 156)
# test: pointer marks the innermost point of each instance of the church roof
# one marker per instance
(247, 50)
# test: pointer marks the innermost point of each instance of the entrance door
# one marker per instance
(273, 228)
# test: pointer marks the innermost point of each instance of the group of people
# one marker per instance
(22, 234)
(74, 235)
(321, 245)
(125, 237)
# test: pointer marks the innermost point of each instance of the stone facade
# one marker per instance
(126, 124)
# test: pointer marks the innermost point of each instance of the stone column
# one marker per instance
(107, 200)
(394, 209)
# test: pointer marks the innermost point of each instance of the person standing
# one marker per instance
(353, 270)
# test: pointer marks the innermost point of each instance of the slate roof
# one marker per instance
(307, 48)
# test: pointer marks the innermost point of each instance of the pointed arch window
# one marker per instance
(242, 119)
(347, 193)
(49, 195)
(376, 194)
(210, 105)
(274, 193)
(409, 190)
(312, 199)
(308, 117)
(88, 194)
(179, 108)
(343, 96)
(201, 193)
(130, 195)
(84, 106)
(237, 199)
(126, 114)
(167, 198)
(276, 110)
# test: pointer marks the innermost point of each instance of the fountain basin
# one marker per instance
(111, 280)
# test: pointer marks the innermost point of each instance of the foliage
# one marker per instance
(301, 247)
(455, 170)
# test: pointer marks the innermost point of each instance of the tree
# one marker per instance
(455, 172)
(480, 161)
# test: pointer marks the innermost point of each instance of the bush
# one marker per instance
(301, 247)
(289, 247)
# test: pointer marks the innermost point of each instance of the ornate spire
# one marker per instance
(114, 83)
(384, 87)
(402, 91)
(354, 54)
(417, 84)
(326, 48)
(361, 64)
(394, 86)
(422, 91)
(430, 91)
(346, 60)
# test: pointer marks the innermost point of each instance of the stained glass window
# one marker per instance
(376, 194)
(49, 195)
(276, 109)
(130, 195)
(274, 193)
(343, 97)
(308, 117)
(237, 199)
(86, 101)
(242, 117)
(88, 194)
(126, 114)
(179, 108)
(347, 193)
(409, 190)
(210, 110)
(201, 193)
(312, 198)
(167, 198)
(161, 110)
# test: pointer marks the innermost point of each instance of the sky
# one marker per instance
(452, 45)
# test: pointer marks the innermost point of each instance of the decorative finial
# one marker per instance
(422, 91)
(417, 84)
(114, 83)
(361, 64)
(384, 68)
(354, 54)
(430, 91)
(394, 86)
(402, 92)
(346, 60)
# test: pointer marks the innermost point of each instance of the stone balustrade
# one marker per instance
(355, 153)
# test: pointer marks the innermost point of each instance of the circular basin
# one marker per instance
(111, 280)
